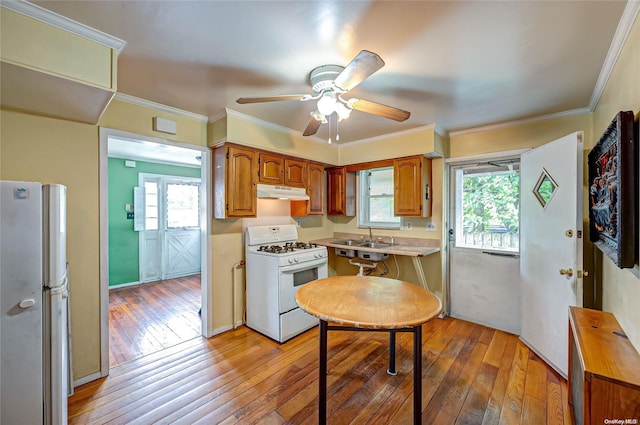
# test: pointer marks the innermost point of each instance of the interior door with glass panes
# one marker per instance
(484, 276)
(182, 227)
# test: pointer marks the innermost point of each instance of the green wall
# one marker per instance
(123, 240)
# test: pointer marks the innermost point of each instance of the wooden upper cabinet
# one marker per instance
(271, 168)
(341, 192)
(412, 187)
(295, 172)
(235, 176)
(315, 178)
(314, 206)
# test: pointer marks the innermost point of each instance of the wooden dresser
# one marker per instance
(604, 370)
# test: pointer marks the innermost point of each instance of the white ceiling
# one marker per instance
(456, 64)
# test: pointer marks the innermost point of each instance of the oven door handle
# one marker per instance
(292, 268)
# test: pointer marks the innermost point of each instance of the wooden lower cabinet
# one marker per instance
(604, 370)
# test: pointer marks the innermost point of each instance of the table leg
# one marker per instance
(392, 354)
(417, 375)
(322, 378)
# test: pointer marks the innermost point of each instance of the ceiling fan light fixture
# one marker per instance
(319, 117)
(343, 111)
(327, 103)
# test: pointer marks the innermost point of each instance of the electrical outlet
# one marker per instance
(431, 226)
(409, 225)
(297, 223)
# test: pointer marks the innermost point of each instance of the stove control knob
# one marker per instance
(290, 260)
(296, 259)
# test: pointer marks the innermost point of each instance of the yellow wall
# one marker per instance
(139, 119)
(409, 143)
(54, 151)
(246, 132)
(621, 288)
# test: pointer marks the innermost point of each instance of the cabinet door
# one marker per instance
(412, 180)
(271, 168)
(315, 176)
(295, 172)
(407, 176)
(340, 192)
(241, 182)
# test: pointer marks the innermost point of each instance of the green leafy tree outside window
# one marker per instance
(491, 201)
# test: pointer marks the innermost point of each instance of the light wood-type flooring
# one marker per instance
(147, 318)
(471, 375)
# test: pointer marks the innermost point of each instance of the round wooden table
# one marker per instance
(367, 303)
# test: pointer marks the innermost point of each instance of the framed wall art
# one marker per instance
(613, 191)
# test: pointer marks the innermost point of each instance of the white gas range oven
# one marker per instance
(277, 265)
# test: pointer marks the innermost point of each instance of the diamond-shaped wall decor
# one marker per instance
(545, 188)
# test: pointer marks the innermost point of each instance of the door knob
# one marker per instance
(566, 272)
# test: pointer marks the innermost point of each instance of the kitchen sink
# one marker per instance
(348, 242)
(373, 256)
(375, 244)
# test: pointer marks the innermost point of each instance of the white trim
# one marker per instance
(62, 22)
(516, 123)
(103, 193)
(86, 379)
(205, 241)
(160, 107)
(624, 26)
(515, 153)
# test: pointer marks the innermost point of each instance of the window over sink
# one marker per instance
(375, 198)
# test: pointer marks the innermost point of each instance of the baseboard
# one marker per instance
(124, 285)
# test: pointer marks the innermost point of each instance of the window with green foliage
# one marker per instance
(488, 205)
(376, 199)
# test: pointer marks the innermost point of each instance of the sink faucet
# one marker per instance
(370, 235)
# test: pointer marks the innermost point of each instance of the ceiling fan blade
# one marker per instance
(380, 109)
(363, 65)
(312, 127)
(270, 98)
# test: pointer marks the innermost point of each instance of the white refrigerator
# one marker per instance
(34, 294)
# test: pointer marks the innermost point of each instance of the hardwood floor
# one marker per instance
(471, 375)
(147, 318)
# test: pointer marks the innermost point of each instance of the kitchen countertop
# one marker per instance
(399, 248)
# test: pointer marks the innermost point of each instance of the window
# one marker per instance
(182, 205)
(151, 205)
(376, 199)
(488, 207)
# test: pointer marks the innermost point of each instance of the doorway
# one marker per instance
(169, 227)
(183, 251)
(484, 266)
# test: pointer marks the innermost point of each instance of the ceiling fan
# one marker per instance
(329, 83)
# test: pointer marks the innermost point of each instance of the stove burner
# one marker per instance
(276, 249)
(287, 247)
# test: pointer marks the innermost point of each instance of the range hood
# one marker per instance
(282, 192)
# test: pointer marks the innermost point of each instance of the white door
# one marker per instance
(182, 233)
(150, 239)
(551, 245)
(484, 268)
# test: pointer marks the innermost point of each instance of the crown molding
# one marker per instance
(508, 124)
(62, 22)
(624, 26)
(160, 107)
